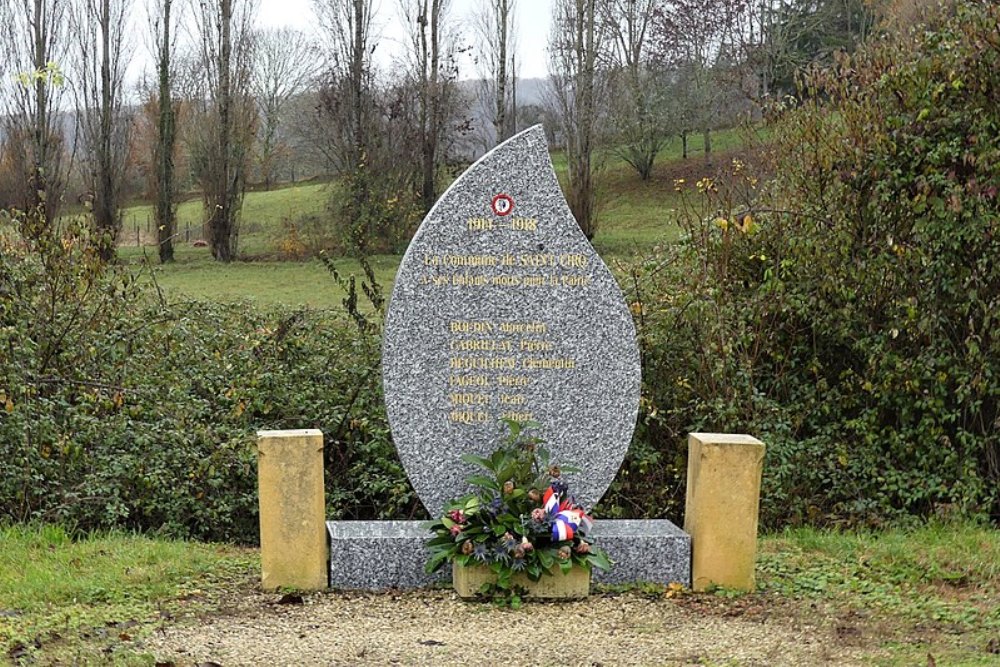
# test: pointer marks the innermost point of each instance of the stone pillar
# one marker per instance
(293, 548)
(723, 503)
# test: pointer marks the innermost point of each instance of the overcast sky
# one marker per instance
(534, 17)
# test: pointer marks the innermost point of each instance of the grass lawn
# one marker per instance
(261, 219)
(633, 217)
(900, 595)
(267, 283)
(931, 591)
(65, 601)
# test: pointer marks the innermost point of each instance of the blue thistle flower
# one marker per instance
(480, 552)
(518, 564)
(496, 506)
(500, 554)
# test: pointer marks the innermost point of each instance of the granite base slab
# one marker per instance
(653, 550)
(376, 555)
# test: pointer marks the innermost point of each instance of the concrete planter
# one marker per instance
(468, 579)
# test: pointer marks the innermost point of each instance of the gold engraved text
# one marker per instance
(536, 364)
(469, 399)
(518, 416)
(524, 224)
(469, 260)
(469, 417)
(479, 224)
(513, 380)
(482, 363)
(480, 345)
(469, 380)
(523, 327)
(470, 327)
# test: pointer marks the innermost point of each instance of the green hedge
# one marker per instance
(117, 409)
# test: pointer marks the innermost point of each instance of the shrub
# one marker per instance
(117, 409)
(846, 312)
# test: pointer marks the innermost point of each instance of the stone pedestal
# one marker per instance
(290, 479)
(721, 514)
(468, 580)
(376, 555)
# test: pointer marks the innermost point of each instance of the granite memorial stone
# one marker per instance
(502, 309)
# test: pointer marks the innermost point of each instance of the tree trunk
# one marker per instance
(165, 211)
(512, 125)
(358, 83)
(500, 121)
(38, 198)
(684, 145)
(708, 142)
(430, 100)
(106, 214)
(166, 219)
(222, 217)
(582, 188)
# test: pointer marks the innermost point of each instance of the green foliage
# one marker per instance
(846, 312)
(372, 214)
(504, 526)
(118, 409)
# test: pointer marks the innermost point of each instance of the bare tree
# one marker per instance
(638, 103)
(163, 22)
(495, 32)
(348, 41)
(33, 45)
(434, 74)
(698, 41)
(284, 65)
(227, 120)
(103, 118)
(575, 52)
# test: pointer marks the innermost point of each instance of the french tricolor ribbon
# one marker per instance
(565, 525)
(561, 530)
(550, 501)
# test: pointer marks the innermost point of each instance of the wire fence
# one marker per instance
(143, 233)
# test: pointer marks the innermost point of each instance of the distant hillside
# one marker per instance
(530, 94)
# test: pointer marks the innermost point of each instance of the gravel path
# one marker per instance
(437, 628)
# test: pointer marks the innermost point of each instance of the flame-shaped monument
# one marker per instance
(501, 308)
